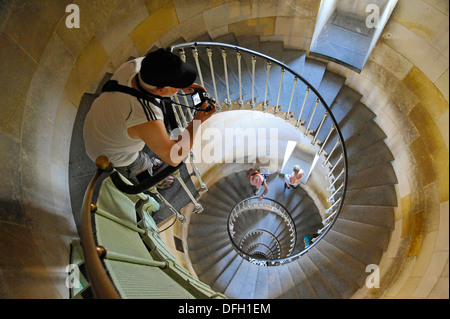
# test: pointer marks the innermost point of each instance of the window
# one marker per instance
(347, 30)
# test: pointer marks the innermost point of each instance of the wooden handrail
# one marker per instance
(100, 282)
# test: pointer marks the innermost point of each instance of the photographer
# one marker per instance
(120, 125)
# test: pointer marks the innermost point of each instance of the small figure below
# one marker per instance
(258, 179)
(293, 179)
(308, 240)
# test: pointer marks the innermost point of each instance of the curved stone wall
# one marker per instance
(47, 67)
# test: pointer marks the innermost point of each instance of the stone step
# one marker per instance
(372, 196)
(336, 276)
(239, 276)
(354, 268)
(222, 281)
(303, 286)
(381, 174)
(322, 287)
(372, 235)
(358, 250)
(370, 215)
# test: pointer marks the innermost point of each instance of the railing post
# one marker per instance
(213, 75)
(287, 115)
(266, 103)
(180, 216)
(197, 63)
(252, 102)
(297, 124)
(276, 110)
(335, 165)
(332, 151)
(239, 58)
(312, 116)
(198, 207)
(336, 179)
(326, 140)
(183, 58)
(196, 172)
(320, 127)
(181, 111)
(225, 70)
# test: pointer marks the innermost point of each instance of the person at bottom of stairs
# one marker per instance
(308, 240)
(293, 179)
(258, 180)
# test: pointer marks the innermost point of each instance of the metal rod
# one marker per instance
(268, 65)
(180, 110)
(334, 204)
(326, 220)
(239, 58)
(191, 116)
(312, 116)
(287, 116)
(203, 187)
(331, 153)
(134, 260)
(335, 165)
(213, 74)
(326, 140)
(332, 196)
(279, 92)
(225, 70)
(303, 106)
(320, 127)
(197, 63)
(252, 102)
(180, 216)
(336, 179)
(198, 207)
(117, 220)
(183, 58)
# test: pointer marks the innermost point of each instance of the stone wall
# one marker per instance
(47, 67)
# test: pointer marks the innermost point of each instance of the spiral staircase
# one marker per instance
(335, 266)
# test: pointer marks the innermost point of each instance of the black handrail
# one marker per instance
(324, 104)
(146, 184)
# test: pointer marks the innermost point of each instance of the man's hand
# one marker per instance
(202, 116)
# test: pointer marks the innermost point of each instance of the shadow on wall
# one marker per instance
(34, 254)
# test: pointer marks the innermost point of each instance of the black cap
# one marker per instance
(163, 68)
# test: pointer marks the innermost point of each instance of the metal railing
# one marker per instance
(97, 251)
(227, 71)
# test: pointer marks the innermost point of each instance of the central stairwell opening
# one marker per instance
(261, 229)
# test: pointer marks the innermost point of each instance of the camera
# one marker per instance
(199, 97)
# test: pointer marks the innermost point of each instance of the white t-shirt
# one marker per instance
(111, 114)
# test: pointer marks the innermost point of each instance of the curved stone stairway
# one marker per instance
(336, 266)
(210, 250)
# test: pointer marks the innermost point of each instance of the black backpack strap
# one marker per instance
(114, 86)
(163, 103)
